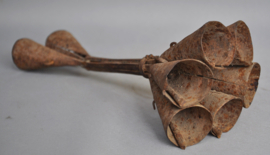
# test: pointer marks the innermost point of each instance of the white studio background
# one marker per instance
(70, 111)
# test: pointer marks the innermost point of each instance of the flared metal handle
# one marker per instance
(29, 55)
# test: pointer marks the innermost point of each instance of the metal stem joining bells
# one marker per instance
(199, 84)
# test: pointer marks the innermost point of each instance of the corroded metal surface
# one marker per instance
(238, 81)
(243, 43)
(62, 40)
(130, 66)
(182, 81)
(181, 78)
(183, 127)
(29, 55)
(225, 110)
(212, 44)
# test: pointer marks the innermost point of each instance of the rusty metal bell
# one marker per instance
(243, 44)
(212, 44)
(199, 84)
(183, 127)
(182, 82)
(225, 110)
(238, 81)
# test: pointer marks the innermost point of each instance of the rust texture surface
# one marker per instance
(182, 81)
(244, 49)
(200, 84)
(212, 44)
(225, 110)
(238, 81)
(184, 127)
(62, 40)
(29, 55)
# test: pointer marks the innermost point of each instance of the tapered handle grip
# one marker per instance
(62, 40)
(29, 55)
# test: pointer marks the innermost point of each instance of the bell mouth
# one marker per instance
(218, 45)
(227, 116)
(187, 82)
(244, 47)
(189, 126)
(252, 85)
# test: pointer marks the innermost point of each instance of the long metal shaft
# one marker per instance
(129, 66)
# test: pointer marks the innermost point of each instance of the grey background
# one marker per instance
(70, 111)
